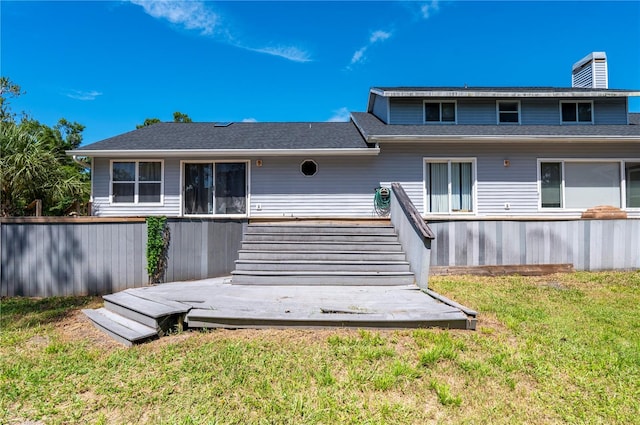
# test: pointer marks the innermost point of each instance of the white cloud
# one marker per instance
(192, 15)
(428, 8)
(379, 36)
(195, 15)
(83, 95)
(340, 115)
(249, 120)
(358, 55)
(375, 37)
(287, 52)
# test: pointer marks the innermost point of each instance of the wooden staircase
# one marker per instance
(321, 254)
(133, 317)
(324, 255)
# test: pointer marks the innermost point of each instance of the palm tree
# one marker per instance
(33, 167)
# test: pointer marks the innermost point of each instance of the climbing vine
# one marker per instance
(157, 248)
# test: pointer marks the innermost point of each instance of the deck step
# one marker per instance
(284, 245)
(257, 318)
(320, 265)
(157, 315)
(256, 277)
(321, 255)
(120, 328)
(319, 237)
(320, 228)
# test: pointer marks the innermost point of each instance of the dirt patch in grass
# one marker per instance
(77, 327)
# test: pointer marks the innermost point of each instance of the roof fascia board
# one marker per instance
(502, 139)
(521, 94)
(160, 153)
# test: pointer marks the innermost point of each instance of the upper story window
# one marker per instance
(576, 112)
(136, 182)
(508, 112)
(440, 112)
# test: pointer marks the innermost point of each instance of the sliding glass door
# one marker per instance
(215, 188)
(231, 188)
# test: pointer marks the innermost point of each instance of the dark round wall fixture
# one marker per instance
(309, 167)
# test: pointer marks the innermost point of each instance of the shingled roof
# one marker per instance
(210, 137)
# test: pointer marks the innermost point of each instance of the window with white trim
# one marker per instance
(449, 186)
(576, 112)
(508, 112)
(582, 184)
(136, 182)
(632, 180)
(440, 112)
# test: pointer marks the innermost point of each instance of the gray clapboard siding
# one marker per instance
(610, 111)
(406, 111)
(344, 186)
(101, 203)
(587, 244)
(476, 111)
(496, 184)
(381, 107)
(65, 258)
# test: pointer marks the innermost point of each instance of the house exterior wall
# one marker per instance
(103, 207)
(344, 186)
(534, 111)
(497, 185)
(380, 108)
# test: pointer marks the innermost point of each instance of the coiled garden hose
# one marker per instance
(382, 201)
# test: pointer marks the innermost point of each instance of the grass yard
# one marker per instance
(553, 349)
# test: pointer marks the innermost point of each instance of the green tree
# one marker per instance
(8, 89)
(180, 117)
(34, 165)
(148, 121)
(177, 117)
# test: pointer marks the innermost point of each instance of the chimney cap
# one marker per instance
(590, 57)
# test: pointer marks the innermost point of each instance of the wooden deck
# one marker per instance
(215, 303)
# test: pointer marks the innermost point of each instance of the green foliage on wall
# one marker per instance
(157, 248)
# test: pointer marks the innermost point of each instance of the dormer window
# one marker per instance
(508, 112)
(440, 112)
(576, 112)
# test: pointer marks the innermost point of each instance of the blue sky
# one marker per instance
(109, 65)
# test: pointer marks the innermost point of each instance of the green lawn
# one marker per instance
(553, 349)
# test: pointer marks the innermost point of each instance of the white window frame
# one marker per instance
(474, 185)
(623, 182)
(213, 162)
(136, 183)
(440, 102)
(577, 122)
(623, 185)
(519, 112)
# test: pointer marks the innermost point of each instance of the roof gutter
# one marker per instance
(504, 94)
(500, 139)
(173, 153)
